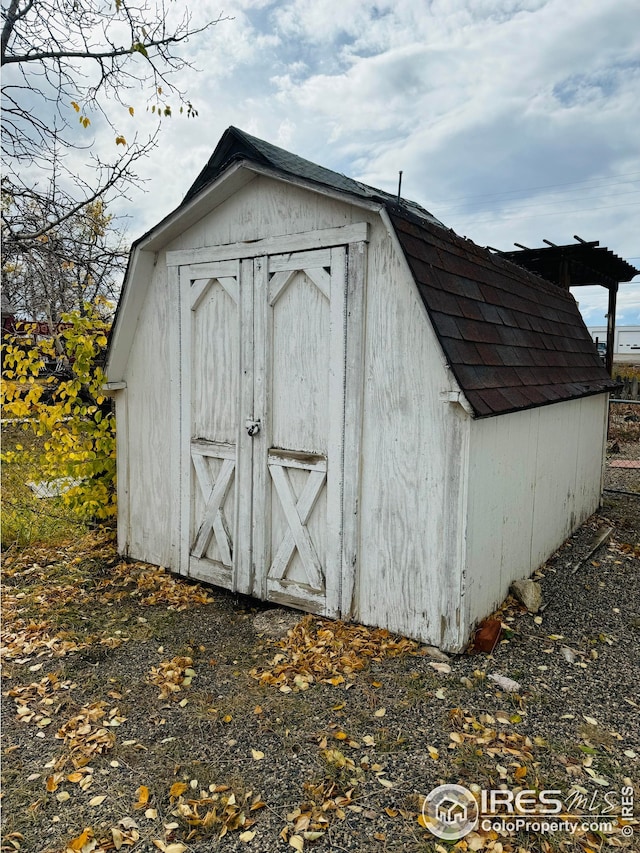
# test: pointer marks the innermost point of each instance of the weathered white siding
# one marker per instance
(413, 444)
(146, 488)
(413, 458)
(534, 476)
(267, 208)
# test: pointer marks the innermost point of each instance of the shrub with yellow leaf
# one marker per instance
(69, 410)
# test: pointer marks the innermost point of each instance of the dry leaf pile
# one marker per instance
(33, 598)
(325, 801)
(214, 810)
(199, 814)
(86, 734)
(513, 764)
(26, 638)
(329, 652)
(36, 702)
(172, 675)
(151, 585)
(336, 797)
(511, 752)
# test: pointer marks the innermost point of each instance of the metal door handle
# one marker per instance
(252, 427)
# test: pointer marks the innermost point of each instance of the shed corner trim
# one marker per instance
(457, 397)
(110, 388)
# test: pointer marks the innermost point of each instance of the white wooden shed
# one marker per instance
(327, 399)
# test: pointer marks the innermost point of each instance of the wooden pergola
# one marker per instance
(578, 265)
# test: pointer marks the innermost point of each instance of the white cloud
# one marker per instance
(512, 120)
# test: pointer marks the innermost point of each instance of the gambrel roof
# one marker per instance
(512, 339)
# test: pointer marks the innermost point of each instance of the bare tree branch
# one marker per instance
(66, 63)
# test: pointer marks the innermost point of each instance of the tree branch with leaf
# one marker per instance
(69, 67)
(68, 63)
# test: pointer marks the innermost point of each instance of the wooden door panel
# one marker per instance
(296, 513)
(214, 370)
(211, 386)
(300, 366)
(213, 516)
(298, 524)
(263, 345)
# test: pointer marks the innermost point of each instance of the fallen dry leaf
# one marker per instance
(143, 797)
(84, 843)
(117, 836)
(177, 789)
(170, 676)
(84, 736)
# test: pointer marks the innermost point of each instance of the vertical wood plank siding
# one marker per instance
(528, 490)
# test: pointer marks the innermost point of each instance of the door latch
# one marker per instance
(252, 427)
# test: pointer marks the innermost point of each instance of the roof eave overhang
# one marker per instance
(234, 177)
(513, 411)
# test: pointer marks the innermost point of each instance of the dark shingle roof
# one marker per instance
(512, 339)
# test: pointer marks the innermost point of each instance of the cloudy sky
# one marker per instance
(512, 120)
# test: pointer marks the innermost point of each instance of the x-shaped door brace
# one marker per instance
(200, 288)
(297, 536)
(279, 281)
(213, 521)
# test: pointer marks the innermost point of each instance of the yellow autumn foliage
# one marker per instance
(69, 412)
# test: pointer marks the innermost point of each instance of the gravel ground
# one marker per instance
(359, 754)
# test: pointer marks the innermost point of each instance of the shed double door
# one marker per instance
(263, 392)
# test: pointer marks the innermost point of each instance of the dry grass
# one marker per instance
(624, 423)
(25, 518)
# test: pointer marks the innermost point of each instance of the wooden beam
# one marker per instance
(611, 328)
(286, 243)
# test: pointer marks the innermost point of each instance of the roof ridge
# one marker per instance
(236, 143)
